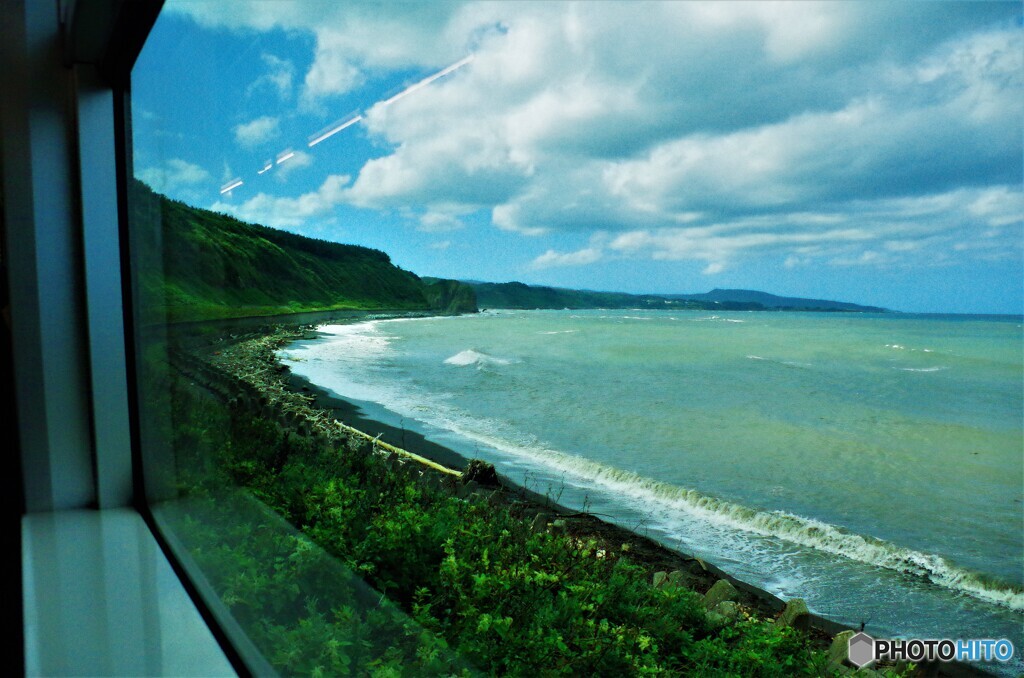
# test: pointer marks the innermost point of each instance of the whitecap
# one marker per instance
(793, 528)
(715, 318)
(471, 357)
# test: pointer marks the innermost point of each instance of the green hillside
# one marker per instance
(200, 265)
(449, 295)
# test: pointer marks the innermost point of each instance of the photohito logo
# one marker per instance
(863, 649)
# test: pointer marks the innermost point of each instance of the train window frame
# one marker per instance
(77, 513)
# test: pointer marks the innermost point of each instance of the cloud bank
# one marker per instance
(852, 134)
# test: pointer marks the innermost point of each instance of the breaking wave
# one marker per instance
(796, 529)
(715, 318)
(471, 357)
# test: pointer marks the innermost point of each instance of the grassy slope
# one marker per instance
(215, 266)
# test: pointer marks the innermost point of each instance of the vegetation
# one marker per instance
(450, 296)
(200, 265)
(484, 590)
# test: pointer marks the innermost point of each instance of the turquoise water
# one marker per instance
(873, 465)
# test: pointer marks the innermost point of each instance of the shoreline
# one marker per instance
(351, 414)
(695, 573)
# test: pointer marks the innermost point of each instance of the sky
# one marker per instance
(863, 151)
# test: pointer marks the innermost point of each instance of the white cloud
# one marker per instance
(330, 74)
(507, 218)
(998, 206)
(440, 218)
(551, 258)
(557, 100)
(433, 222)
(175, 174)
(705, 132)
(865, 258)
(874, 233)
(441, 245)
(297, 161)
(289, 213)
(258, 131)
(279, 77)
(713, 268)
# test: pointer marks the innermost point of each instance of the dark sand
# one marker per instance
(350, 414)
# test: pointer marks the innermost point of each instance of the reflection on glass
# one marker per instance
(863, 461)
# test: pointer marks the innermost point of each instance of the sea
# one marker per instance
(871, 464)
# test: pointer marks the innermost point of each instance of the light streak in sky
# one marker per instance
(426, 81)
(330, 131)
(234, 183)
(334, 130)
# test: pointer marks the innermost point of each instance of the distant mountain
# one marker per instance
(521, 296)
(199, 265)
(773, 302)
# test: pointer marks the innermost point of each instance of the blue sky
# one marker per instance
(863, 151)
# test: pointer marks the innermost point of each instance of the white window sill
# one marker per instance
(102, 600)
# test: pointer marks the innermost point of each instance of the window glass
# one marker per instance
(430, 378)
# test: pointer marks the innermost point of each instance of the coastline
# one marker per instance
(703, 573)
(352, 415)
(694, 573)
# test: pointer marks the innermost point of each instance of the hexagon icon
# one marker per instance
(861, 650)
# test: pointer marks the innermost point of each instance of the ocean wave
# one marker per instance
(921, 369)
(357, 341)
(471, 357)
(685, 503)
(901, 347)
(559, 332)
(806, 532)
(716, 318)
(787, 363)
